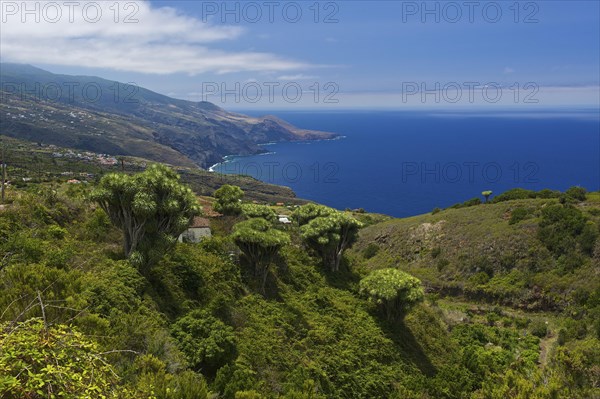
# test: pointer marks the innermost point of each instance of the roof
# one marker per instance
(199, 222)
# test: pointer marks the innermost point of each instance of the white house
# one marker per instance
(284, 219)
(198, 230)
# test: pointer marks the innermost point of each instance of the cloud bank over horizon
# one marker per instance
(133, 36)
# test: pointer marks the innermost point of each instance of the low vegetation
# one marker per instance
(465, 303)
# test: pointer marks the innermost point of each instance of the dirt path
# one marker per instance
(545, 346)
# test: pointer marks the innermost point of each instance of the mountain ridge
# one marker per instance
(123, 119)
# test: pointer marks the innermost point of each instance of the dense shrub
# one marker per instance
(560, 228)
(587, 238)
(547, 193)
(206, 341)
(228, 200)
(518, 214)
(259, 211)
(514, 194)
(370, 251)
(472, 202)
(394, 291)
(539, 328)
(38, 361)
(576, 193)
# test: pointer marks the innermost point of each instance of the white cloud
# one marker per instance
(508, 70)
(297, 77)
(162, 41)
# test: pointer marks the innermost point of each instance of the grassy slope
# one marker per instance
(450, 250)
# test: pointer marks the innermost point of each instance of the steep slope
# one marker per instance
(195, 322)
(96, 114)
(495, 252)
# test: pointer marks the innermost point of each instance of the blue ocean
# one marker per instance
(407, 163)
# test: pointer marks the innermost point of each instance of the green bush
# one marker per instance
(562, 337)
(518, 214)
(252, 211)
(547, 194)
(472, 202)
(480, 278)
(587, 238)
(370, 251)
(394, 291)
(514, 194)
(206, 341)
(97, 225)
(56, 232)
(57, 359)
(560, 227)
(576, 193)
(539, 328)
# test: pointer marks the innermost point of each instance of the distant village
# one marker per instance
(74, 177)
(102, 159)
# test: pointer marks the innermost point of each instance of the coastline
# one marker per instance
(229, 158)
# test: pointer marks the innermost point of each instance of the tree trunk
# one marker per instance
(126, 242)
(337, 259)
(265, 272)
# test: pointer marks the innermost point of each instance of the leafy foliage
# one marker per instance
(260, 243)
(514, 194)
(486, 194)
(151, 208)
(205, 340)
(563, 227)
(313, 335)
(576, 193)
(396, 292)
(252, 211)
(467, 203)
(308, 212)
(57, 361)
(370, 251)
(228, 200)
(330, 236)
(519, 214)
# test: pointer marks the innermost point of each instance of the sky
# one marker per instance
(322, 55)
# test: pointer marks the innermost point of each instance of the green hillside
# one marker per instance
(496, 252)
(94, 114)
(85, 321)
